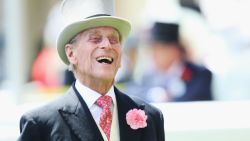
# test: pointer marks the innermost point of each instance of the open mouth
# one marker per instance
(105, 60)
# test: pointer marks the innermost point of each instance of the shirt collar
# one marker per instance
(90, 96)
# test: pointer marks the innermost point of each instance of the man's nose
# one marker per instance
(105, 43)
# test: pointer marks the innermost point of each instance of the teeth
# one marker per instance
(104, 57)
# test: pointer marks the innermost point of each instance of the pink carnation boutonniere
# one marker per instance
(136, 118)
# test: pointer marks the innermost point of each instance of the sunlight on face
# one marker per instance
(98, 53)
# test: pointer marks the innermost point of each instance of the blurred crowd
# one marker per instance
(179, 52)
(1, 44)
(172, 76)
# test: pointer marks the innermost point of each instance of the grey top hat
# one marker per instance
(80, 15)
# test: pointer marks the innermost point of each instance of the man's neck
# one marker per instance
(99, 86)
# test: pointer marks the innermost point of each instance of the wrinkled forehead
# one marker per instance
(102, 30)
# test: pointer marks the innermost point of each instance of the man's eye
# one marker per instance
(114, 40)
(95, 39)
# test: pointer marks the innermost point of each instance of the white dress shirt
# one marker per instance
(90, 96)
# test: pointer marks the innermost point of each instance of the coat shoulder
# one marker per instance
(47, 112)
(198, 68)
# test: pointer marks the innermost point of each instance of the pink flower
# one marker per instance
(136, 118)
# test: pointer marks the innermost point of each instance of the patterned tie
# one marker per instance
(106, 116)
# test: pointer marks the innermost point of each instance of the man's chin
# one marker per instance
(106, 76)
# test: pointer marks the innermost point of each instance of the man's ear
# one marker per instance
(70, 52)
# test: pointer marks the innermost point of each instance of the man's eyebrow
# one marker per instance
(96, 32)
(115, 33)
(93, 32)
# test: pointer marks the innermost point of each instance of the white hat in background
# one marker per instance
(80, 15)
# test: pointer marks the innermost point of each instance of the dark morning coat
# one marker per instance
(69, 119)
(197, 80)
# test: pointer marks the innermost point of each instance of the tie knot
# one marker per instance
(104, 101)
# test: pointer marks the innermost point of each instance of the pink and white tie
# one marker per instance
(106, 116)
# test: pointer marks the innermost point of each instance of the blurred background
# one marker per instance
(215, 34)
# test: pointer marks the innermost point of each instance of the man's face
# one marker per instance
(164, 54)
(97, 53)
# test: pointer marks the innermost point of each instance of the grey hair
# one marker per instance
(71, 67)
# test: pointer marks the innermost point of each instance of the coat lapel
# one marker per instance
(124, 104)
(78, 117)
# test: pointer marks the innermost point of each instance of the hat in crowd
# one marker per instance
(80, 15)
(165, 32)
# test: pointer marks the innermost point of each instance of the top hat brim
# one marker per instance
(71, 30)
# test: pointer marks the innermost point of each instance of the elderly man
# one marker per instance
(93, 109)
